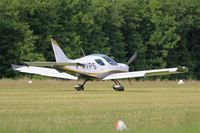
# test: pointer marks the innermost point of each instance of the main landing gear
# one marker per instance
(80, 87)
(118, 86)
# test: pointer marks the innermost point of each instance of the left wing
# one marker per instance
(50, 72)
(145, 73)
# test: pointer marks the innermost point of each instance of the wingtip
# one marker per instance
(14, 67)
(182, 69)
(53, 42)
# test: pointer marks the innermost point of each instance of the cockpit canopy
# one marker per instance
(106, 58)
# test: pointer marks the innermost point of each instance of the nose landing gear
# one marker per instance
(118, 86)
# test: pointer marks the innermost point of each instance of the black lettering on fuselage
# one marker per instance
(88, 66)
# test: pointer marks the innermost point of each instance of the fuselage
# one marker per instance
(96, 66)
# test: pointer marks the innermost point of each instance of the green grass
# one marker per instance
(54, 106)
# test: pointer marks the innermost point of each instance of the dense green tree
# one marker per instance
(163, 33)
(186, 52)
(17, 45)
(42, 18)
(164, 37)
(136, 31)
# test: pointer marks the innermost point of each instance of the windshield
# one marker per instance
(110, 60)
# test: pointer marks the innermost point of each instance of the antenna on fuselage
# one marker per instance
(82, 51)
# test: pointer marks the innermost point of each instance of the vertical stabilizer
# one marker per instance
(59, 54)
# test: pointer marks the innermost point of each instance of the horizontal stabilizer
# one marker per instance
(52, 64)
(145, 73)
(50, 72)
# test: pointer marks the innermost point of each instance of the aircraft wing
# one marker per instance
(50, 72)
(52, 64)
(145, 73)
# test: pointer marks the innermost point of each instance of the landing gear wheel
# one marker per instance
(79, 87)
(118, 87)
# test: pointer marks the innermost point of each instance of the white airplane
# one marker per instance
(90, 67)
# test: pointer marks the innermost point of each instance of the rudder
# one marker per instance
(59, 54)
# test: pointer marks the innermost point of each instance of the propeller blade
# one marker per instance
(129, 80)
(132, 58)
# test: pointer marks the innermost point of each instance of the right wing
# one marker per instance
(146, 73)
(50, 72)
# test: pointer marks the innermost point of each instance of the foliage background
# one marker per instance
(164, 33)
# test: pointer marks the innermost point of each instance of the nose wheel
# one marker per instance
(118, 86)
(80, 87)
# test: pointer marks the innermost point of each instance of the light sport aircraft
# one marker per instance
(90, 67)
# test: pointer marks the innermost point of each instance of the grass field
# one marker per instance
(54, 106)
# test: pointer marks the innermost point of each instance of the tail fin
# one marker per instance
(59, 54)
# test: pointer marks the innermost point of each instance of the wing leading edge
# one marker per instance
(145, 73)
(50, 72)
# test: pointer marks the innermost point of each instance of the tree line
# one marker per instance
(163, 33)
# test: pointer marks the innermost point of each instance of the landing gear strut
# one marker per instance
(80, 87)
(118, 86)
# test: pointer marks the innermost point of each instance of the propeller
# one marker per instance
(131, 61)
(129, 80)
(132, 58)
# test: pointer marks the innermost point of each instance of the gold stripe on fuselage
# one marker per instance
(74, 71)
